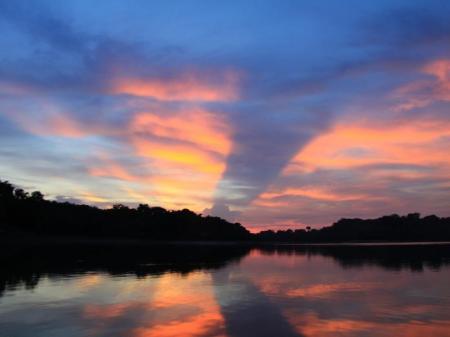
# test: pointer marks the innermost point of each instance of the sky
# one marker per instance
(275, 114)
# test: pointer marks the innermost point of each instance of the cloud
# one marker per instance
(357, 170)
(317, 193)
(64, 198)
(261, 148)
(180, 156)
(222, 211)
(204, 129)
(350, 145)
(422, 93)
(184, 87)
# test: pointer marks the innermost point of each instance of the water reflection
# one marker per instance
(232, 290)
(319, 297)
(415, 257)
(26, 265)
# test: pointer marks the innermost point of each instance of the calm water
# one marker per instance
(226, 291)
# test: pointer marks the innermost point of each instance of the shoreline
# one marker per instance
(58, 240)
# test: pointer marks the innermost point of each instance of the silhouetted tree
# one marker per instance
(22, 212)
(20, 194)
(143, 208)
(387, 228)
(37, 196)
(32, 213)
(6, 190)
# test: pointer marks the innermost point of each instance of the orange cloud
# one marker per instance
(187, 153)
(353, 145)
(65, 126)
(356, 145)
(186, 87)
(422, 93)
(53, 122)
(195, 126)
(441, 70)
(90, 197)
(181, 154)
(389, 154)
(310, 192)
(182, 157)
(112, 171)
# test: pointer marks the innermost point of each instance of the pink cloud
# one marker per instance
(421, 93)
(188, 86)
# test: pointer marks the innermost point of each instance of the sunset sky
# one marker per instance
(275, 114)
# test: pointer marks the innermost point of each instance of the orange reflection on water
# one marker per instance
(318, 299)
(187, 307)
(291, 291)
(89, 281)
(106, 311)
(326, 290)
(198, 325)
(170, 305)
(310, 325)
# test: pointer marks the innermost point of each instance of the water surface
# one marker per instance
(226, 291)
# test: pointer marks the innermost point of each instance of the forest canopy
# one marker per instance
(23, 213)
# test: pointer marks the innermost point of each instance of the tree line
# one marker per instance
(390, 228)
(30, 213)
